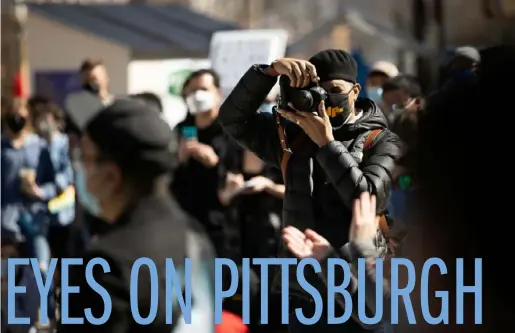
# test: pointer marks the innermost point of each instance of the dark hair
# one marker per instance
(88, 64)
(42, 105)
(184, 86)
(200, 72)
(407, 83)
(150, 99)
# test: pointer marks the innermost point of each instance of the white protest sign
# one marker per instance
(233, 52)
(165, 79)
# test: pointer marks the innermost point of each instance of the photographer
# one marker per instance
(338, 149)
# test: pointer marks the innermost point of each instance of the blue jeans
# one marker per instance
(35, 229)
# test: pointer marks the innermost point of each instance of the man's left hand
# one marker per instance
(317, 127)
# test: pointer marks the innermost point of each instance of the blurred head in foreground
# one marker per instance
(463, 203)
(126, 156)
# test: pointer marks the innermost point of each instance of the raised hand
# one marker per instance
(305, 245)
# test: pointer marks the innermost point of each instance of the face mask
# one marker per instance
(464, 73)
(87, 200)
(15, 122)
(375, 94)
(92, 87)
(338, 108)
(200, 101)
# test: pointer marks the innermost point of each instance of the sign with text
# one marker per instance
(233, 52)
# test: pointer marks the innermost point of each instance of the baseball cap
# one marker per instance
(385, 67)
(468, 52)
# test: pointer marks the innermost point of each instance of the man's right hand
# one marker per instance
(300, 72)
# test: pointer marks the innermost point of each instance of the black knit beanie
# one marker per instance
(335, 65)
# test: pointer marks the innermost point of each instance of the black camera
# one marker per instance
(299, 99)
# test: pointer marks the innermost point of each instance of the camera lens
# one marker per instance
(302, 101)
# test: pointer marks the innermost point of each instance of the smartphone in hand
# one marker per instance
(189, 133)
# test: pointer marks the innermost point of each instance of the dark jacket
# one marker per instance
(196, 186)
(321, 183)
(155, 228)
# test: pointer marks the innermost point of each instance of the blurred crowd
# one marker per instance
(437, 197)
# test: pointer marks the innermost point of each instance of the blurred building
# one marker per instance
(395, 30)
(58, 37)
(412, 33)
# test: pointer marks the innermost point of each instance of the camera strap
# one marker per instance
(284, 145)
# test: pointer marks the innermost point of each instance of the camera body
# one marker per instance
(299, 99)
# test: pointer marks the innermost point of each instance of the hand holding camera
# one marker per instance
(300, 72)
(317, 126)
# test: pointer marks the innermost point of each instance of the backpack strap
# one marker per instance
(369, 141)
(383, 225)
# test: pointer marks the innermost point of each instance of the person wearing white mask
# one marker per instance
(381, 72)
(201, 143)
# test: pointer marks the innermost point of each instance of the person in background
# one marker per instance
(47, 119)
(465, 60)
(462, 67)
(28, 182)
(253, 191)
(95, 79)
(82, 106)
(400, 93)
(380, 72)
(201, 143)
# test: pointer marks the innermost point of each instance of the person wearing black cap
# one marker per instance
(350, 151)
(123, 179)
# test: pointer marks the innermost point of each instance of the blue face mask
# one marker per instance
(86, 199)
(464, 73)
(375, 94)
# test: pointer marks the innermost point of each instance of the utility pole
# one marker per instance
(439, 17)
(14, 50)
(423, 67)
(254, 11)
